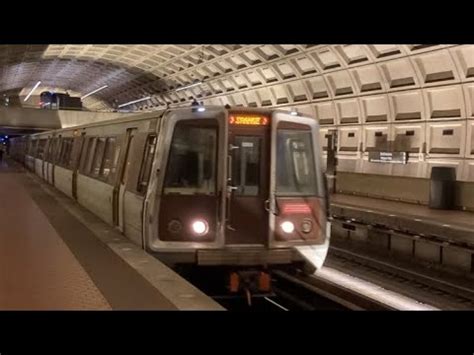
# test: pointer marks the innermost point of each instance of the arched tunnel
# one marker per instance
(411, 98)
(237, 176)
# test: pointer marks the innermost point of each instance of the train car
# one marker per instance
(239, 188)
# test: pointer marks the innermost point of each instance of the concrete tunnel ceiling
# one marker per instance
(336, 83)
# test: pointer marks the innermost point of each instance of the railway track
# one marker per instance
(340, 297)
(430, 289)
(286, 296)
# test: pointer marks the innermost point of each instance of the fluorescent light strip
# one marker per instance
(188, 86)
(134, 102)
(34, 88)
(93, 92)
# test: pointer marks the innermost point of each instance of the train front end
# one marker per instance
(239, 188)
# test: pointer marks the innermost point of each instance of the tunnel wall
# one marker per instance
(413, 98)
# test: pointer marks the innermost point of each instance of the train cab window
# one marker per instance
(145, 170)
(192, 159)
(295, 168)
(98, 156)
(246, 166)
(109, 163)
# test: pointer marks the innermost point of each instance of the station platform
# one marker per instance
(452, 225)
(55, 255)
(440, 237)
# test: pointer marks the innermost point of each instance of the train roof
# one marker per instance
(159, 114)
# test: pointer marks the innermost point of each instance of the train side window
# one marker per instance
(61, 152)
(147, 162)
(108, 160)
(41, 148)
(30, 148)
(98, 156)
(88, 155)
(47, 151)
(49, 155)
(36, 148)
(58, 150)
(131, 144)
(113, 168)
(68, 158)
(65, 153)
(52, 149)
(83, 157)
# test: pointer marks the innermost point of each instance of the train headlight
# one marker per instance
(200, 227)
(287, 227)
(306, 226)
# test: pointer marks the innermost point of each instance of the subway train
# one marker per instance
(240, 188)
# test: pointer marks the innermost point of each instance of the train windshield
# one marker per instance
(192, 159)
(295, 166)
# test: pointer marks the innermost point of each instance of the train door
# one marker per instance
(119, 189)
(77, 162)
(47, 158)
(50, 160)
(44, 163)
(249, 156)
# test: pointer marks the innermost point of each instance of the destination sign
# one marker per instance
(249, 120)
(388, 157)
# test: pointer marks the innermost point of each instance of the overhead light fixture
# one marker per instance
(93, 92)
(294, 113)
(34, 88)
(189, 86)
(134, 101)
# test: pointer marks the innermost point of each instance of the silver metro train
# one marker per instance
(236, 187)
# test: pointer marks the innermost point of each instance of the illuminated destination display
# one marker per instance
(248, 120)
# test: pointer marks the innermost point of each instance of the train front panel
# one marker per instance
(238, 187)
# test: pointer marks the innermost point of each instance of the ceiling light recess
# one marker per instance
(134, 101)
(189, 86)
(94, 91)
(34, 88)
